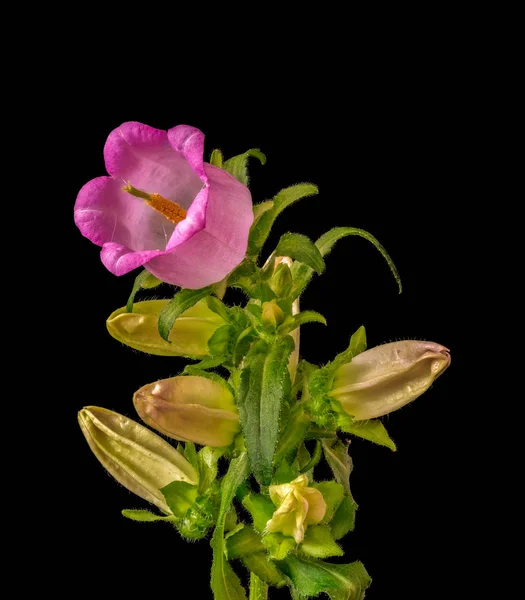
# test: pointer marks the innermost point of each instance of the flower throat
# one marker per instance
(171, 210)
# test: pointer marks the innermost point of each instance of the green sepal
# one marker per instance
(209, 362)
(190, 454)
(307, 316)
(336, 455)
(372, 430)
(261, 509)
(237, 166)
(218, 307)
(145, 516)
(302, 274)
(180, 496)
(216, 158)
(319, 542)
(344, 518)
(311, 577)
(265, 218)
(220, 343)
(180, 302)
(333, 493)
(278, 545)
(265, 569)
(244, 541)
(262, 388)
(143, 280)
(224, 582)
(302, 249)
(207, 460)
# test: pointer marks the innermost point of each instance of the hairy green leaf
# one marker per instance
(302, 249)
(237, 166)
(181, 301)
(261, 392)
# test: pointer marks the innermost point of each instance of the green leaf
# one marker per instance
(145, 516)
(224, 582)
(312, 577)
(318, 542)
(266, 216)
(262, 207)
(216, 158)
(336, 454)
(207, 460)
(181, 301)
(144, 279)
(372, 430)
(284, 473)
(237, 166)
(260, 508)
(296, 427)
(344, 518)
(218, 307)
(180, 496)
(302, 249)
(261, 392)
(265, 569)
(302, 274)
(333, 493)
(316, 457)
(307, 316)
(210, 362)
(243, 542)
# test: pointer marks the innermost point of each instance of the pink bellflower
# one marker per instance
(162, 207)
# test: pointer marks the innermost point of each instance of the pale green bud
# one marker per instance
(135, 456)
(191, 409)
(387, 377)
(297, 507)
(272, 313)
(189, 336)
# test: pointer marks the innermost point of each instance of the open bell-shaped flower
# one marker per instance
(297, 507)
(162, 207)
(135, 456)
(190, 408)
(385, 378)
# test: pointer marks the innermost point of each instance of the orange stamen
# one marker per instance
(171, 210)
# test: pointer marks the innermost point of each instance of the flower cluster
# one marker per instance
(249, 401)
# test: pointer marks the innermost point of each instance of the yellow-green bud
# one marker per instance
(189, 336)
(281, 281)
(136, 457)
(387, 377)
(272, 313)
(297, 507)
(194, 409)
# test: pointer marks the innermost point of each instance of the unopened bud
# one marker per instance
(191, 409)
(135, 456)
(189, 336)
(387, 377)
(272, 313)
(297, 507)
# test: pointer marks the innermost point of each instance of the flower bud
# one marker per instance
(297, 507)
(190, 408)
(189, 336)
(272, 313)
(135, 456)
(387, 377)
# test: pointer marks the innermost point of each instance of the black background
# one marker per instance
(394, 161)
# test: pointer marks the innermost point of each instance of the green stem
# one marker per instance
(258, 589)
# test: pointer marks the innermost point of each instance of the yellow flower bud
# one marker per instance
(387, 377)
(136, 457)
(189, 336)
(194, 409)
(297, 507)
